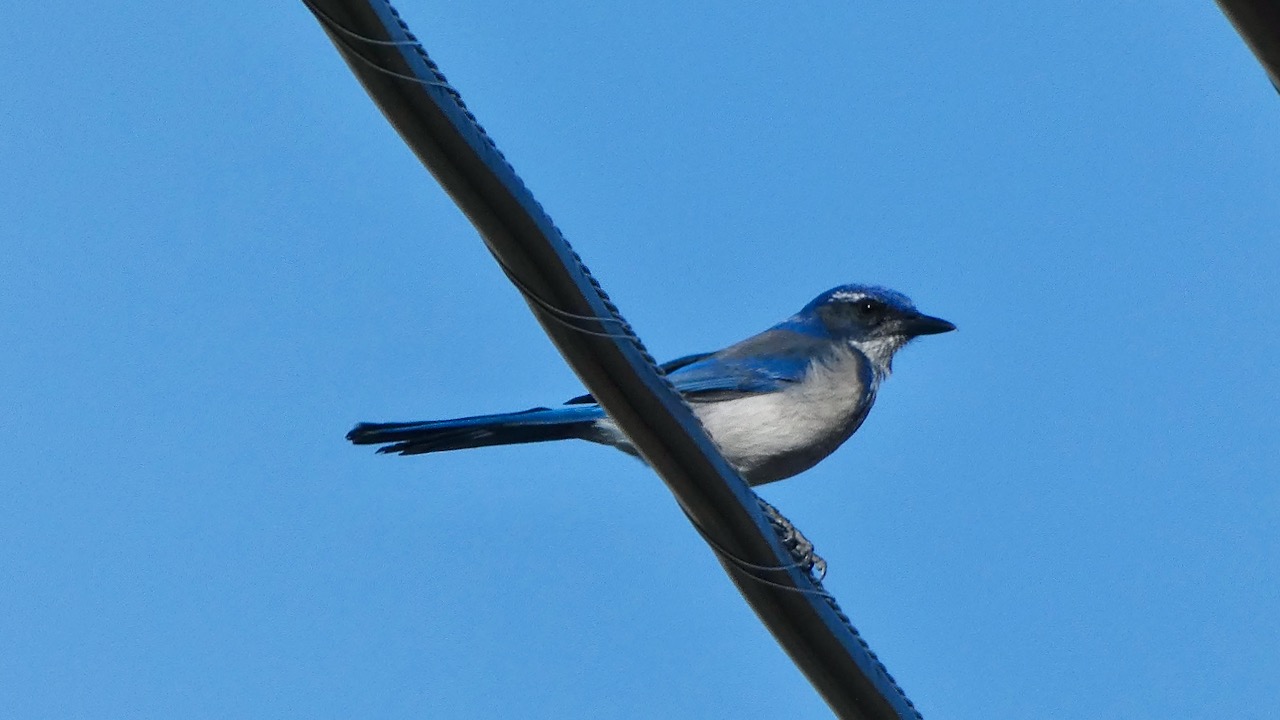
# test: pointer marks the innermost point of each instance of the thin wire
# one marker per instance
(374, 65)
(559, 315)
(555, 313)
(331, 22)
(547, 304)
(751, 569)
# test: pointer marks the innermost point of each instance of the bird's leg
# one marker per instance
(794, 541)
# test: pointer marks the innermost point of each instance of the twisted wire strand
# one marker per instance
(330, 21)
(557, 314)
(755, 571)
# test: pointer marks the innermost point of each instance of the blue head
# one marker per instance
(873, 320)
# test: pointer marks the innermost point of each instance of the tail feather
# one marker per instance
(534, 425)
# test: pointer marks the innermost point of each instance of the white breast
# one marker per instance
(769, 437)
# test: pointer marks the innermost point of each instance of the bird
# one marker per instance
(775, 404)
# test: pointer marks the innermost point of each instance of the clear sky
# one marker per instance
(218, 256)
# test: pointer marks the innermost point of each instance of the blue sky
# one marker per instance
(218, 256)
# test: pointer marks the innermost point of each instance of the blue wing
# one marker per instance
(766, 363)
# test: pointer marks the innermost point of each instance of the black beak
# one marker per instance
(926, 325)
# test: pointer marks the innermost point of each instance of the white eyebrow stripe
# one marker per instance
(845, 295)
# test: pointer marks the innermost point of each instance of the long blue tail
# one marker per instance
(535, 425)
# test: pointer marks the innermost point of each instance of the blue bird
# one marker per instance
(775, 404)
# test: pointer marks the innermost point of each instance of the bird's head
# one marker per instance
(874, 320)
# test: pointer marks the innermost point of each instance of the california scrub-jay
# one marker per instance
(775, 404)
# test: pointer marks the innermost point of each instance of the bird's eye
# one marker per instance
(869, 309)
